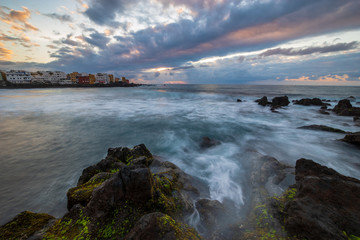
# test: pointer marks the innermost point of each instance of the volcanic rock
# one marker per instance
(353, 138)
(262, 101)
(322, 128)
(344, 108)
(309, 102)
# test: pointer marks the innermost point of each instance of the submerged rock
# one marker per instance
(309, 102)
(324, 204)
(322, 128)
(238, 100)
(344, 108)
(280, 101)
(207, 142)
(262, 101)
(353, 138)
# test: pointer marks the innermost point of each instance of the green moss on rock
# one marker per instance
(24, 225)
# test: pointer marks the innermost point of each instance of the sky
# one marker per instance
(292, 42)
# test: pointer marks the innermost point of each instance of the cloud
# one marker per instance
(17, 19)
(310, 50)
(5, 54)
(97, 39)
(324, 80)
(175, 82)
(104, 12)
(22, 39)
(61, 18)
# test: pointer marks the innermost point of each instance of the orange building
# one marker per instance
(111, 78)
(74, 77)
(92, 79)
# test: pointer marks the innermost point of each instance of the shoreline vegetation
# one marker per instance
(132, 194)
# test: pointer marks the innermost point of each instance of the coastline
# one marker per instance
(26, 86)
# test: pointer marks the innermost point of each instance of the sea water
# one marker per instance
(48, 136)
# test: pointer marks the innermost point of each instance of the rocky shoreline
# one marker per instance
(132, 194)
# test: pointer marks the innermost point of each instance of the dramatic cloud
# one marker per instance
(5, 54)
(310, 50)
(17, 19)
(61, 18)
(97, 39)
(22, 39)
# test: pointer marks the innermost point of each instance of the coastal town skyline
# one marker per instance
(179, 41)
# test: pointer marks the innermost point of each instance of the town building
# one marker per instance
(18, 76)
(92, 79)
(117, 80)
(124, 80)
(83, 79)
(102, 78)
(111, 78)
(73, 77)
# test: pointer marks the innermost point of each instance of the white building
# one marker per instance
(59, 76)
(18, 76)
(102, 78)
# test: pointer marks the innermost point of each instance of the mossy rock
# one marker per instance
(24, 225)
(82, 194)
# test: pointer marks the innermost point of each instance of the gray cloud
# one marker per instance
(97, 39)
(310, 50)
(61, 18)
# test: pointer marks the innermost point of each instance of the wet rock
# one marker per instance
(322, 128)
(25, 225)
(353, 138)
(309, 102)
(280, 101)
(160, 226)
(351, 98)
(323, 111)
(207, 142)
(238, 100)
(325, 205)
(212, 213)
(357, 121)
(344, 108)
(263, 101)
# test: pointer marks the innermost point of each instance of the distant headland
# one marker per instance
(56, 79)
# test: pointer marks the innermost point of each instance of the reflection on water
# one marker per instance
(49, 136)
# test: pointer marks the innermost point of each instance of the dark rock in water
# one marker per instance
(212, 213)
(353, 138)
(357, 121)
(351, 98)
(344, 108)
(238, 100)
(323, 111)
(160, 226)
(207, 142)
(26, 225)
(262, 101)
(309, 102)
(322, 128)
(325, 205)
(280, 101)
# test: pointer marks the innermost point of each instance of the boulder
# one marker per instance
(212, 213)
(357, 121)
(160, 226)
(26, 225)
(344, 108)
(262, 101)
(323, 111)
(353, 138)
(207, 142)
(280, 101)
(309, 102)
(238, 100)
(324, 204)
(322, 128)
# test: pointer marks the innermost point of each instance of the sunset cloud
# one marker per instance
(17, 19)
(5, 54)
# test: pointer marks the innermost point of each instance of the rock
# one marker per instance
(212, 213)
(322, 128)
(116, 159)
(82, 193)
(160, 226)
(207, 142)
(280, 101)
(351, 98)
(309, 102)
(262, 101)
(25, 225)
(344, 108)
(323, 111)
(324, 204)
(238, 100)
(357, 121)
(353, 138)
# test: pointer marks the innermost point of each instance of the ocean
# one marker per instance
(48, 136)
